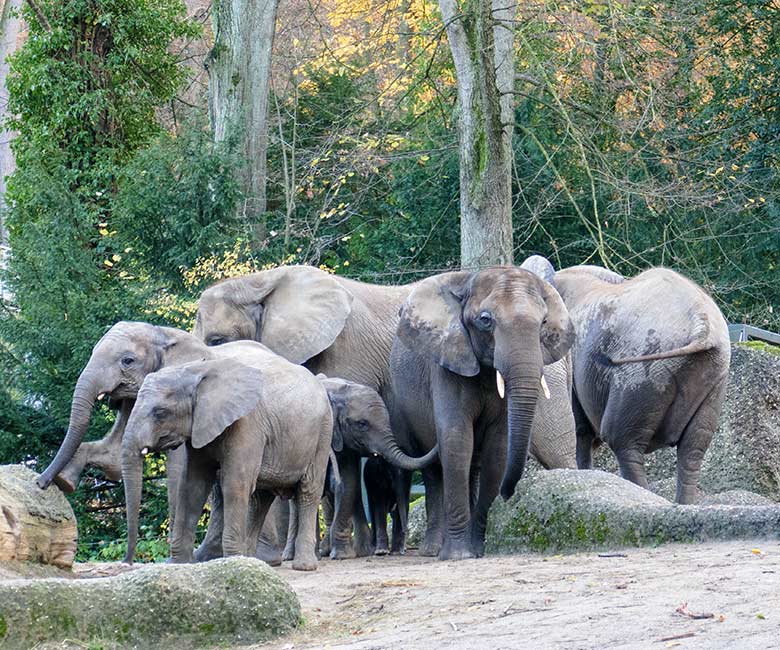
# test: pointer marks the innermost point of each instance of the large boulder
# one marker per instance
(745, 451)
(35, 525)
(227, 601)
(569, 510)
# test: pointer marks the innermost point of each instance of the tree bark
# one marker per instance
(481, 38)
(11, 36)
(239, 69)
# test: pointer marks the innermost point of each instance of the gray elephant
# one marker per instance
(361, 423)
(651, 360)
(247, 422)
(334, 326)
(465, 341)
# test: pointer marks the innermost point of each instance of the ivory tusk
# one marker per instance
(545, 387)
(500, 384)
(101, 396)
(144, 451)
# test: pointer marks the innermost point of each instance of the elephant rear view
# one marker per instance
(651, 359)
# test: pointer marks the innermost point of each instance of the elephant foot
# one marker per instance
(478, 545)
(325, 547)
(305, 564)
(268, 554)
(288, 553)
(363, 548)
(455, 551)
(179, 559)
(206, 552)
(342, 552)
(430, 547)
(382, 550)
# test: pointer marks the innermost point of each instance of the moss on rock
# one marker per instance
(233, 600)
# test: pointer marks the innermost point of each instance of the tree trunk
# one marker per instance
(481, 38)
(239, 71)
(35, 525)
(12, 35)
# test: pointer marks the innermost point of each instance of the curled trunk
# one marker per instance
(522, 394)
(132, 476)
(80, 412)
(393, 454)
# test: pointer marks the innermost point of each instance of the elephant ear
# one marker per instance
(228, 390)
(303, 310)
(431, 322)
(541, 267)
(557, 330)
(337, 390)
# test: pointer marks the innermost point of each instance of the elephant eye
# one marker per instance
(216, 340)
(160, 413)
(362, 425)
(127, 361)
(485, 320)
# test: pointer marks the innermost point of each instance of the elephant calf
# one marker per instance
(267, 429)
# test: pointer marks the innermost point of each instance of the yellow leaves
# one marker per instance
(423, 159)
(108, 263)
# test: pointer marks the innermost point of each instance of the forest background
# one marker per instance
(645, 133)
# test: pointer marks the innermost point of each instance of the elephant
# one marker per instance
(361, 423)
(332, 325)
(465, 340)
(650, 359)
(247, 422)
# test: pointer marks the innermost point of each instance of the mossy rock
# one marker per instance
(570, 510)
(226, 601)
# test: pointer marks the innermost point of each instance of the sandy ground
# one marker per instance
(719, 595)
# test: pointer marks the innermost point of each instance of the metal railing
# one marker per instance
(739, 333)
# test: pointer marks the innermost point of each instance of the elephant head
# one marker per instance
(504, 318)
(361, 423)
(119, 363)
(297, 311)
(192, 402)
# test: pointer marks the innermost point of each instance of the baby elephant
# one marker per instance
(267, 429)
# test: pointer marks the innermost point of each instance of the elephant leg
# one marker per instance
(631, 461)
(327, 517)
(260, 522)
(455, 450)
(376, 475)
(341, 530)
(585, 436)
(236, 491)
(196, 480)
(434, 511)
(269, 543)
(364, 539)
(474, 484)
(491, 472)
(402, 484)
(694, 442)
(211, 546)
(175, 462)
(292, 532)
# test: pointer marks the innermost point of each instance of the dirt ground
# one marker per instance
(718, 595)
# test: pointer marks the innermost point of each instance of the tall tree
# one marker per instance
(239, 71)
(481, 38)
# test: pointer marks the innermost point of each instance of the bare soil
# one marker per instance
(715, 595)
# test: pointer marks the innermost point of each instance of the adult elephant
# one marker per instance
(651, 361)
(465, 341)
(332, 325)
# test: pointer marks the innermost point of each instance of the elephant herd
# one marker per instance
(292, 376)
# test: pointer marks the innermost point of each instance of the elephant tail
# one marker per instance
(334, 467)
(702, 340)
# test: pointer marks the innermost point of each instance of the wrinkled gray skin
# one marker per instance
(235, 419)
(332, 325)
(456, 331)
(361, 423)
(119, 363)
(650, 361)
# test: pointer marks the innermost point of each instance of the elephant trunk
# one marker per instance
(84, 396)
(393, 454)
(132, 476)
(522, 383)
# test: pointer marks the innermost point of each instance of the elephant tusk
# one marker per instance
(101, 396)
(144, 451)
(545, 387)
(500, 385)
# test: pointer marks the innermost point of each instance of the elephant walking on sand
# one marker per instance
(467, 368)
(651, 359)
(247, 423)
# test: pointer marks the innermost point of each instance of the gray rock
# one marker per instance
(234, 600)
(568, 510)
(415, 530)
(736, 498)
(745, 450)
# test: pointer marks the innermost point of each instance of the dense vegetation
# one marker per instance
(646, 133)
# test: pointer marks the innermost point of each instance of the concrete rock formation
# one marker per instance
(35, 525)
(233, 601)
